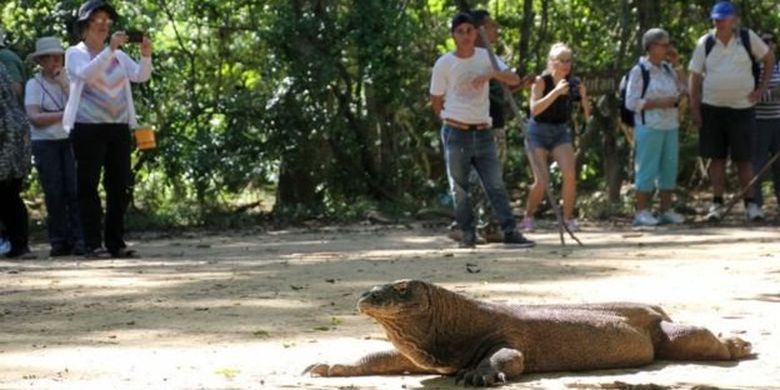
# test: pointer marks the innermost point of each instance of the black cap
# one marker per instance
(479, 16)
(460, 18)
(86, 10)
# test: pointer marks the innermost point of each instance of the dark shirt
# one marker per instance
(559, 111)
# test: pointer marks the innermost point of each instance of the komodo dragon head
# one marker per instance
(397, 299)
(430, 325)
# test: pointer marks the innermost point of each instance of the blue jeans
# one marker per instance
(57, 173)
(464, 150)
(656, 159)
(766, 142)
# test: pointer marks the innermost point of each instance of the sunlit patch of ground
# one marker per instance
(232, 310)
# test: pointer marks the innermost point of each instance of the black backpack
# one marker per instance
(626, 115)
(744, 36)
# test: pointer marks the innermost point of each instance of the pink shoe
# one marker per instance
(527, 225)
(573, 225)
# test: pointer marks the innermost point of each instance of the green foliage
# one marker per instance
(325, 102)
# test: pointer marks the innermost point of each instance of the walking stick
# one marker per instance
(745, 190)
(535, 165)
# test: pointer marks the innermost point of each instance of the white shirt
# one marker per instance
(81, 68)
(452, 77)
(51, 97)
(663, 83)
(727, 70)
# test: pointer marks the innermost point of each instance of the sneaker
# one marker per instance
(714, 213)
(670, 217)
(527, 225)
(22, 253)
(60, 251)
(517, 239)
(572, 225)
(753, 212)
(5, 246)
(457, 236)
(469, 241)
(645, 218)
(96, 253)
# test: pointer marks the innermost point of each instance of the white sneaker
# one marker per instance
(753, 212)
(5, 246)
(715, 212)
(645, 218)
(671, 217)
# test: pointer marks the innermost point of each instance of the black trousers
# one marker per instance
(13, 213)
(102, 146)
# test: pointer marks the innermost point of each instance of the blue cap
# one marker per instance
(723, 10)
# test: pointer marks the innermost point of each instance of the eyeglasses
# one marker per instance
(769, 40)
(106, 21)
(564, 60)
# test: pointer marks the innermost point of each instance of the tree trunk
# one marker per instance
(612, 165)
(525, 36)
(297, 188)
(649, 17)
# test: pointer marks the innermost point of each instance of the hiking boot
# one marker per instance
(517, 239)
(645, 218)
(670, 217)
(753, 213)
(714, 213)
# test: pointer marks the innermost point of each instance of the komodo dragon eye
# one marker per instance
(401, 288)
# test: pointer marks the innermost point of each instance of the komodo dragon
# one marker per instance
(437, 331)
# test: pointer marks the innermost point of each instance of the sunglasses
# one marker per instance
(769, 40)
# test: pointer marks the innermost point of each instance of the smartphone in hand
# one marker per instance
(135, 36)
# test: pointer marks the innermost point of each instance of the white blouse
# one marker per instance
(663, 83)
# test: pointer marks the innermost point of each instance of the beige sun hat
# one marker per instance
(45, 46)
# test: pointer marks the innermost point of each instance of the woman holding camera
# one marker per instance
(99, 115)
(549, 133)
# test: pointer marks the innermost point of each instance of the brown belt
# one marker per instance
(466, 127)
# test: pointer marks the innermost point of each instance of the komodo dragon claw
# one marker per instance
(480, 377)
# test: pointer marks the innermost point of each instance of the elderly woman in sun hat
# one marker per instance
(99, 115)
(46, 94)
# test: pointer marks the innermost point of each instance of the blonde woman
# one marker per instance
(549, 134)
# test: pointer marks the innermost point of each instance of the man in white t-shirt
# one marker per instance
(723, 92)
(460, 97)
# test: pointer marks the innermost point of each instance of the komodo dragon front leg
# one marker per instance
(379, 363)
(497, 367)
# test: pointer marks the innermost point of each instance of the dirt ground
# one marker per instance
(251, 309)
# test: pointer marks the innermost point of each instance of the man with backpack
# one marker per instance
(724, 88)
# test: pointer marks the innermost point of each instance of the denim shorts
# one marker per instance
(548, 135)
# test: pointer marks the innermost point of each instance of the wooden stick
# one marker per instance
(535, 164)
(745, 190)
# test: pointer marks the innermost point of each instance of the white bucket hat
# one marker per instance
(45, 46)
